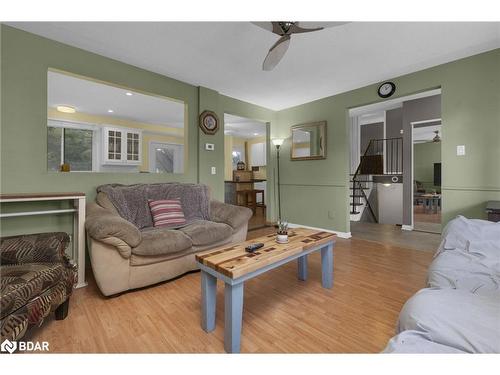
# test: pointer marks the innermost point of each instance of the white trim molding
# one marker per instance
(346, 235)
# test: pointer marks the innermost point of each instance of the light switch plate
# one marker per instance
(209, 146)
(214, 170)
(461, 150)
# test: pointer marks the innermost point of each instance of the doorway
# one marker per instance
(427, 198)
(382, 176)
(245, 166)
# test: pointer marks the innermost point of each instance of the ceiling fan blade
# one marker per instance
(276, 53)
(273, 27)
(315, 25)
(264, 25)
(296, 29)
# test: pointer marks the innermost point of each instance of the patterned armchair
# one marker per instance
(36, 279)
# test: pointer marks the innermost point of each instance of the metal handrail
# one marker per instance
(398, 163)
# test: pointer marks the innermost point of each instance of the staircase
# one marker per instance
(381, 157)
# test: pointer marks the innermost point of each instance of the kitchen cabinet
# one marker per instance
(121, 146)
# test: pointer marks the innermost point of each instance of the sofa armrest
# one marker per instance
(34, 248)
(234, 216)
(102, 224)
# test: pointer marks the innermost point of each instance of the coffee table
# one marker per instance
(233, 265)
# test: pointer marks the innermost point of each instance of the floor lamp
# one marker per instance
(278, 142)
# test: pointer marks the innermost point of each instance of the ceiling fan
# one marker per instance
(436, 139)
(285, 29)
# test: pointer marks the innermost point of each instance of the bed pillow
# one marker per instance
(167, 213)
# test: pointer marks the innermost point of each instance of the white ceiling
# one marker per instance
(227, 56)
(242, 127)
(96, 98)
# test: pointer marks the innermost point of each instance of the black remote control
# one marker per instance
(251, 248)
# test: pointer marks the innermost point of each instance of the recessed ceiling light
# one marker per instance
(66, 109)
(255, 133)
(129, 94)
(110, 111)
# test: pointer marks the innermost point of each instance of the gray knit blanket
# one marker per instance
(131, 201)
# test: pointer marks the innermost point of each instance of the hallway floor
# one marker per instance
(393, 235)
(426, 221)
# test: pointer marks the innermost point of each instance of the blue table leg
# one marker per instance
(327, 266)
(233, 311)
(302, 268)
(208, 301)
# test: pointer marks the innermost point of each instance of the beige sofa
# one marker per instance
(127, 255)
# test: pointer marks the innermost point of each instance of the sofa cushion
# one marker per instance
(203, 232)
(33, 248)
(411, 341)
(140, 260)
(234, 216)
(464, 270)
(451, 317)
(472, 229)
(22, 282)
(167, 213)
(159, 241)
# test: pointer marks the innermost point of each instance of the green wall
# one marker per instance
(25, 59)
(314, 193)
(470, 116)
(424, 157)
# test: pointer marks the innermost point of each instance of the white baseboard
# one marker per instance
(340, 234)
(406, 227)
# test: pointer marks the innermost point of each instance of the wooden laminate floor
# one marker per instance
(281, 314)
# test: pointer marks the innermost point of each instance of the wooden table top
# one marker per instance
(233, 261)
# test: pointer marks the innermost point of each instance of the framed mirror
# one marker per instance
(309, 141)
(94, 126)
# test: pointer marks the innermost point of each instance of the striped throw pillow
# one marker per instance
(167, 213)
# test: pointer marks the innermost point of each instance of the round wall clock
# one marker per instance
(386, 89)
(209, 122)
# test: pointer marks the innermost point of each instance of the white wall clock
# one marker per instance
(386, 89)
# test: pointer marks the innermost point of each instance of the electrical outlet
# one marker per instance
(331, 214)
(461, 150)
(214, 170)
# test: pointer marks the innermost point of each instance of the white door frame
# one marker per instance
(412, 124)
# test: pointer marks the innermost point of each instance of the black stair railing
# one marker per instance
(381, 157)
